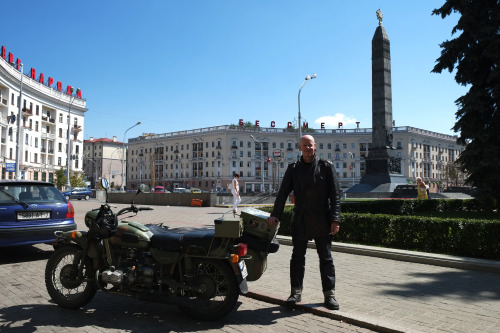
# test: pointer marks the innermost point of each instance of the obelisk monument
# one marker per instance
(383, 167)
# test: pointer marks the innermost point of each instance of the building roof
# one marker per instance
(102, 140)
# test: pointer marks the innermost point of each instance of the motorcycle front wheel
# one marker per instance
(62, 281)
(216, 290)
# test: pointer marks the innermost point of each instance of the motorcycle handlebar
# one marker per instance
(133, 209)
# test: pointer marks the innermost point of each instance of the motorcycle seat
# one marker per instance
(179, 239)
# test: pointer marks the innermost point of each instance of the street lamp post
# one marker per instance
(261, 162)
(68, 157)
(353, 166)
(123, 153)
(307, 79)
(94, 169)
(19, 113)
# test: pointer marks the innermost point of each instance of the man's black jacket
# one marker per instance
(317, 198)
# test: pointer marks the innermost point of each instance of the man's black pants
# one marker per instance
(326, 266)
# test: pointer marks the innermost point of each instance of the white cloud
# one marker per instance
(333, 121)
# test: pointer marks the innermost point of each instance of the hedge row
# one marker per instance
(470, 238)
(462, 237)
(409, 207)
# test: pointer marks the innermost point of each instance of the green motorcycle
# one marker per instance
(203, 272)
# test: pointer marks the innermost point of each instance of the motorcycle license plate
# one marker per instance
(243, 269)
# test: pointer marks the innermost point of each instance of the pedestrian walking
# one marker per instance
(316, 216)
(235, 191)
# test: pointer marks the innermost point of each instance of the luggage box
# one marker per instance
(255, 224)
(228, 227)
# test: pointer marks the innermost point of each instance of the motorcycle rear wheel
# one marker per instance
(219, 290)
(62, 282)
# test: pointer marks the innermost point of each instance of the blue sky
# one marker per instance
(186, 64)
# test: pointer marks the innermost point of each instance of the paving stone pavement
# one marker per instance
(374, 293)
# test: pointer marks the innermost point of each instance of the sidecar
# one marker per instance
(260, 238)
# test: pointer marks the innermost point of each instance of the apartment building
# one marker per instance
(104, 158)
(207, 158)
(50, 118)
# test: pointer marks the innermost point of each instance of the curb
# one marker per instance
(321, 311)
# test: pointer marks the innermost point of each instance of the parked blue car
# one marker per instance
(31, 211)
(78, 193)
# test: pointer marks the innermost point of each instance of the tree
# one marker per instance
(74, 180)
(475, 54)
(77, 180)
(60, 178)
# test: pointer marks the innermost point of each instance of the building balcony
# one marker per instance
(3, 102)
(48, 136)
(27, 112)
(48, 120)
(234, 147)
(77, 128)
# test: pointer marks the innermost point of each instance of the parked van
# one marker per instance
(159, 189)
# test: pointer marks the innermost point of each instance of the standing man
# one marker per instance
(316, 216)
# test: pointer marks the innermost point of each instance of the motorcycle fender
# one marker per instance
(242, 282)
(78, 237)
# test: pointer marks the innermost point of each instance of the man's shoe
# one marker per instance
(295, 297)
(331, 303)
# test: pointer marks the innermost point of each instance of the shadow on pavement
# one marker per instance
(468, 285)
(18, 254)
(111, 312)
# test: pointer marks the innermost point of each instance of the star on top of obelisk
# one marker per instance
(379, 17)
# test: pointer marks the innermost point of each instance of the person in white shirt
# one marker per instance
(235, 191)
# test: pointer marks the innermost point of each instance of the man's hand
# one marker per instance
(272, 220)
(335, 227)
